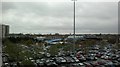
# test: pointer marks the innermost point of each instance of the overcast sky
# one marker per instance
(57, 17)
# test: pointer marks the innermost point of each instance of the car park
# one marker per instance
(95, 57)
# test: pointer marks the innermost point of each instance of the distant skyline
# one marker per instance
(57, 17)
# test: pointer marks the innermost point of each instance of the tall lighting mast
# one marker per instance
(74, 25)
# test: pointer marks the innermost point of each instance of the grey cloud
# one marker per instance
(6, 6)
(45, 17)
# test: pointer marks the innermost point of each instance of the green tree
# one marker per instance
(11, 49)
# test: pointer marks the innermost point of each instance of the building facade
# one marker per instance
(4, 31)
